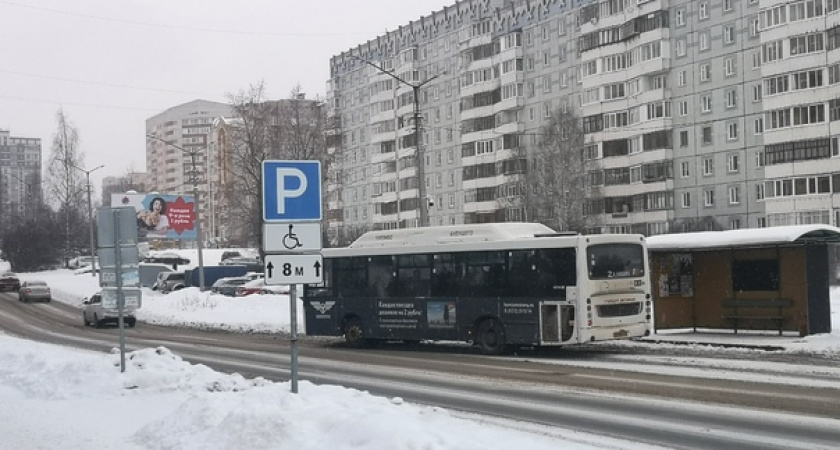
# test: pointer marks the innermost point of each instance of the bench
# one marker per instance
(746, 309)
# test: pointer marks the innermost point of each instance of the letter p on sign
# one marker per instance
(291, 191)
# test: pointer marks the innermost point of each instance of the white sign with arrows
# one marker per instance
(294, 269)
(301, 237)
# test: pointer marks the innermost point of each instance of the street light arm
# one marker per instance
(385, 71)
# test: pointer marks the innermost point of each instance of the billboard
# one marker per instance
(161, 216)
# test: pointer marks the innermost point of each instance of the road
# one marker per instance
(673, 398)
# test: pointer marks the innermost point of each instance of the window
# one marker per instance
(706, 103)
(732, 131)
(734, 224)
(728, 34)
(704, 10)
(759, 125)
(734, 163)
(756, 89)
(709, 198)
(730, 98)
(707, 135)
(727, 5)
(705, 72)
(704, 40)
(729, 67)
(734, 195)
(686, 199)
(681, 77)
(683, 108)
(708, 166)
(680, 47)
(685, 170)
(680, 15)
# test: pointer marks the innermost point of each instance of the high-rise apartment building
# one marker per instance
(178, 151)
(699, 113)
(20, 175)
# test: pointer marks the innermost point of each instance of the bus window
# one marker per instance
(380, 276)
(484, 274)
(444, 276)
(413, 276)
(616, 261)
(541, 273)
(349, 277)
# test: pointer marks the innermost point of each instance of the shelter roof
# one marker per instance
(748, 237)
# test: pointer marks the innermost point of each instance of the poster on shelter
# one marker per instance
(676, 276)
(161, 216)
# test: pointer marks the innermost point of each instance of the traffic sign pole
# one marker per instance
(292, 233)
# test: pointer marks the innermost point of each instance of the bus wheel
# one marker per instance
(491, 337)
(354, 334)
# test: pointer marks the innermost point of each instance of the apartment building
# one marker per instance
(20, 175)
(699, 113)
(176, 150)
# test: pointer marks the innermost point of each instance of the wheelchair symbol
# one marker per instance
(291, 241)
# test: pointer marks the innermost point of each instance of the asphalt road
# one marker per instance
(551, 388)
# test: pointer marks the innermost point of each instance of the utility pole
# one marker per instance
(90, 215)
(194, 180)
(419, 153)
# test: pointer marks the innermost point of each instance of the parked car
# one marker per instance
(170, 259)
(227, 286)
(9, 281)
(230, 254)
(169, 281)
(80, 261)
(251, 264)
(258, 286)
(93, 313)
(34, 290)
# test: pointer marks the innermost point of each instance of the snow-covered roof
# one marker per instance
(748, 237)
(452, 233)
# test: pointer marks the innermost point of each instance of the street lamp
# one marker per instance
(194, 179)
(421, 161)
(90, 213)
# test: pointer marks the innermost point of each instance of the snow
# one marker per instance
(744, 237)
(74, 399)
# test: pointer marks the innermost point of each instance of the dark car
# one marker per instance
(230, 254)
(9, 281)
(31, 290)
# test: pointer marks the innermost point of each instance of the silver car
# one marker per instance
(31, 290)
(93, 313)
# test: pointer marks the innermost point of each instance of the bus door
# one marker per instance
(551, 320)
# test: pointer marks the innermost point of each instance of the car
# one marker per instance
(80, 262)
(169, 281)
(258, 286)
(227, 286)
(93, 313)
(230, 254)
(170, 259)
(34, 290)
(9, 281)
(251, 264)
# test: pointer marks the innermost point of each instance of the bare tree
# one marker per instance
(556, 190)
(65, 184)
(291, 129)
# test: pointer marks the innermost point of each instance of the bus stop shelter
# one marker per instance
(750, 279)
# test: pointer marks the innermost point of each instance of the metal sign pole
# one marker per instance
(294, 338)
(120, 296)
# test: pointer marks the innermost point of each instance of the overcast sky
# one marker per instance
(112, 64)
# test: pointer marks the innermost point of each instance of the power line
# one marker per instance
(100, 83)
(173, 27)
(86, 105)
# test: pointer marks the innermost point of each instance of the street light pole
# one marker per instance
(90, 214)
(420, 157)
(194, 180)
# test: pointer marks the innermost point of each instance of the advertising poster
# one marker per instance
(676, 277)
(161, 216)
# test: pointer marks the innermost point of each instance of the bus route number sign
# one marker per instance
(294, 269)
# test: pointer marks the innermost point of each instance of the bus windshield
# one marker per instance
(615, 261)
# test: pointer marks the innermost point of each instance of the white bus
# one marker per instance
(496, 285)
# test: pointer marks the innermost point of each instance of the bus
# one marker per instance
(497, 286)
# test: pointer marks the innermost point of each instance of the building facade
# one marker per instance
(701, 113)
(20, 176)
(177, 151)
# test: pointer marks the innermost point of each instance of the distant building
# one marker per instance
(181, 131)
(20, 176)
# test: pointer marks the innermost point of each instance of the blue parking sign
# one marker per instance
(291, 190)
